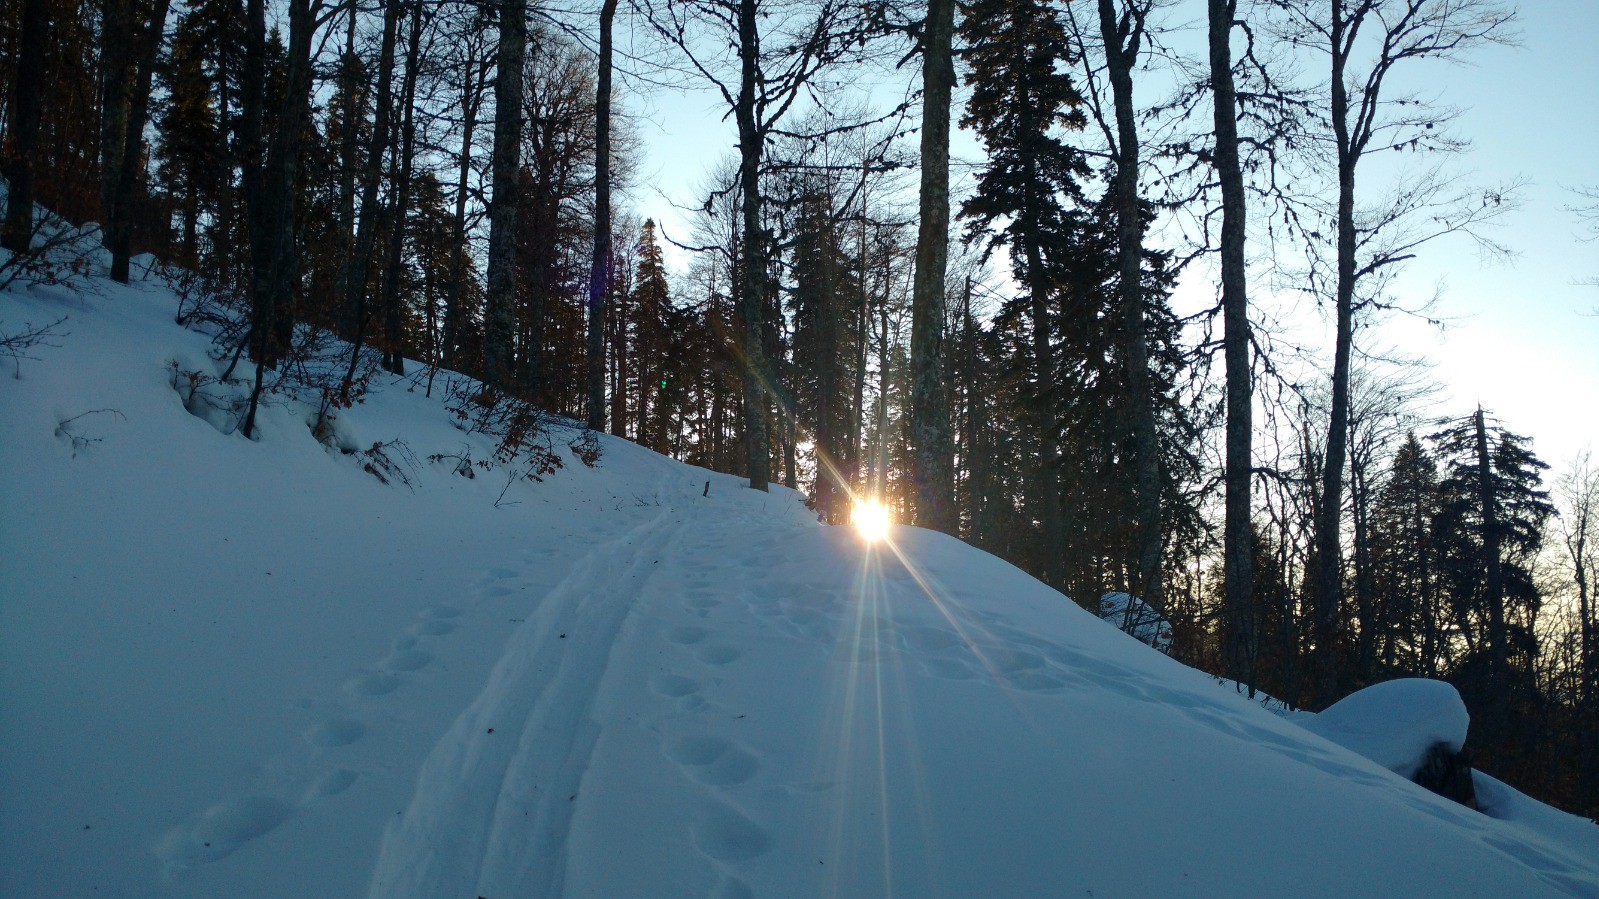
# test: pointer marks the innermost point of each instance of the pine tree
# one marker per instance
(1025, 199)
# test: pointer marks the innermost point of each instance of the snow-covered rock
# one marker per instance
(1137, 618)
(1395, 723)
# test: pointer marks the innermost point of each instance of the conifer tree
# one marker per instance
(1025, 199)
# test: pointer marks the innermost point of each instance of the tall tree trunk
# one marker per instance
(932, 451)
(273, 233)
(1123, 36)
(116, 95)
(753, 301)
(600, 272)
(455, 300)
(1238, 549)
(359, 265)
(500, 294)
(24, 125)
(129, 172)
(1329, 566)
(393, 324)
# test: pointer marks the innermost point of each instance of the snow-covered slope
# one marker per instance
(236, 668)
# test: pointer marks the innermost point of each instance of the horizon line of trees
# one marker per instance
(434, 180)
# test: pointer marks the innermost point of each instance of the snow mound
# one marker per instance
(1396, 722)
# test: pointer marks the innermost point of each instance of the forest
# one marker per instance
(987, 342)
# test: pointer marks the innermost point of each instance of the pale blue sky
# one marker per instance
(1523, 337)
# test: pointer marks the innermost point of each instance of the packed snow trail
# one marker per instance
(494, 799)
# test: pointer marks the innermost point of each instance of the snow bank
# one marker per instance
(247, 668)
(1396, 722)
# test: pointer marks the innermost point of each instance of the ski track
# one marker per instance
(494, 799)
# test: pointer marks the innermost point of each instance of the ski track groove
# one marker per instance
(491, 812)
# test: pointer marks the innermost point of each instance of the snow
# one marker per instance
(1396, 722)
(249, 669)
(1137, 618)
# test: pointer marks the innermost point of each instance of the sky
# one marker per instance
(1520, 335)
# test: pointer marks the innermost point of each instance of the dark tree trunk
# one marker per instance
(116, 96)
(500, 294)
(119, 223)
(932, 452)
(455, 300)
(358, 266)
(24, 125)
(393, 324)
(752, 303)
(1329, 566)
(1238, 557)
(600, 273)
(272, 235)
(1123, 37)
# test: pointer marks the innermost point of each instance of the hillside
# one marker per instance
(251, 668)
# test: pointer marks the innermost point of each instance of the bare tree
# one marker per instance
(498, 326)
(1365, 41)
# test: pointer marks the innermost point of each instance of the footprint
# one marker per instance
(501, 574)
(718, 655)
(432, 627)
(674, 685)
(219, 830)
(713, 760)
(372, 683)
(331, 784)
(407, 660)
(687, 635)
(440, 612)
(338, 732)
(725, 835)
(404, 643)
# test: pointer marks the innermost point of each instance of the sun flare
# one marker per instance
(871, 519)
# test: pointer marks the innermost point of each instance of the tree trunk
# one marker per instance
(358, 266)
(393, 324)
(600, 273)
(1122, 40)
(753, 302)
(1329, 567)
(1238, 557)
(116, 95)
(932, 451)
(24, 125)
(455, 301)
(129, 172)
(272, 234)
(500, 294)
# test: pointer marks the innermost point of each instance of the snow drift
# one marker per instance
(248, 668)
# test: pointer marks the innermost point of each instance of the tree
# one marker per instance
(498, 327)
(1237, 529)
(781, 47)
(1368, 118)
(1021, 93)
(932, 457)
(599, 275)
(23, 131)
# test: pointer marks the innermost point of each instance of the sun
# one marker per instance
(871, 519)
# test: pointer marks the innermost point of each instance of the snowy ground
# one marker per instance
(248, 669)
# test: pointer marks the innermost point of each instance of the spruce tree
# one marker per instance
(1025, 199)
